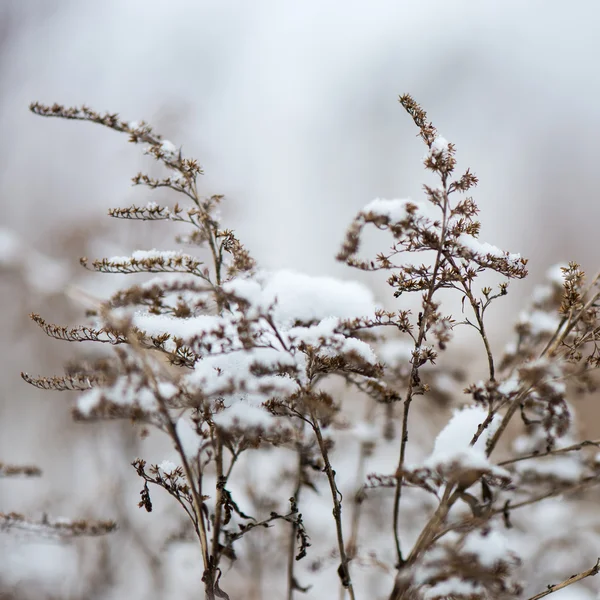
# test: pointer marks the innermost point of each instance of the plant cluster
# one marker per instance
(232, 362)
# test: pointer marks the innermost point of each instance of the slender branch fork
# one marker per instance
(413, 377)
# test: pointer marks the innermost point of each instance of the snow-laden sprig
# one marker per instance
(446, 232)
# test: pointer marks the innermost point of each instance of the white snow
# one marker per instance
(323, 334)
(394, 210)
(452, 445)
(540, 322)
(562, 467)
(210, 327)
(483, 248)
(396, 352)
(125, 392)
(154, 254)
(509, 386)
(167, 467)
(440, 144)
(365, 432)
(555, 274)
(10, 246)
(244, 415)
(299, 297)
(490, 548)
(188, 437)
(452, 586)
(87, 401)
(168, 149)
(230, 375)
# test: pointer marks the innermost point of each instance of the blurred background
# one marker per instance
(292, 110)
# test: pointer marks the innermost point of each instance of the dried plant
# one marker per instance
(233, 363)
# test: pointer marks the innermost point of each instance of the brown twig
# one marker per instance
(427, 303)
(343, 571)
(566, 449)
(507, 507)
(291, 579)
(571, 580)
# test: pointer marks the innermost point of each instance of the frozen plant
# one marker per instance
(238, 367)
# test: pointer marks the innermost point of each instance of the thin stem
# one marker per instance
(573, 579)
(344, 571)
(197, 501)
(291, 585)
(564, 450)
(356, 507)
(430, 530)
(512, 409)
(478, 311)
(221, 482)
(580, 485)
(210, 235)
(195, 492)
(413, 378)
(508, 507)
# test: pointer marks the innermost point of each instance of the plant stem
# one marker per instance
(196, 492)
(413, 377)
(344, 571)
(221, 480)
(291, 585)
(572, 448)
(573, 579)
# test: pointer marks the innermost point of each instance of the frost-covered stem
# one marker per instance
(291, 580)
(573, 579)
(413, 376)
(478, 312)
(344, 571)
